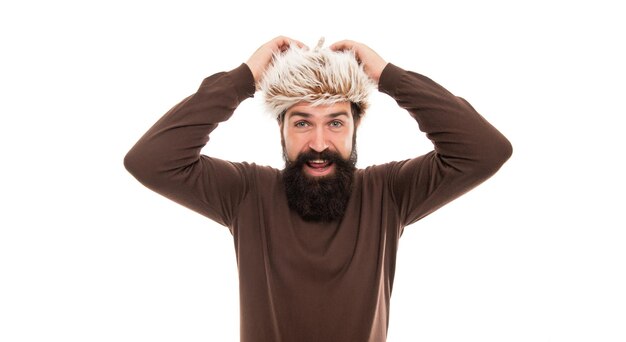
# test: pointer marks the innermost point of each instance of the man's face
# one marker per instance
(307, 128)
(320, 157)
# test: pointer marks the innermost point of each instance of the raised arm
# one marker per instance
(468, 149)
(168, 159)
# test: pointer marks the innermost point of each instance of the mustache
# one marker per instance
(307, 156)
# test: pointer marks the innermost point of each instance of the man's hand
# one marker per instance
(373, 64)
(262, 57)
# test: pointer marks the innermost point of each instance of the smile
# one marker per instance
(318, 167)
(318, 163)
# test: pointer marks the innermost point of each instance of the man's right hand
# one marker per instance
(262, 57)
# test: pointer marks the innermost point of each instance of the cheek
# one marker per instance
(289, 150)
(291, 146)
(346, 144)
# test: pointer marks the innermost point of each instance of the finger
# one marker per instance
(342, 45)
(299, 44)
(283, 43)
(291, 43)
(280, 43)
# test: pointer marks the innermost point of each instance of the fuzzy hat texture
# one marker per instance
(319, 76)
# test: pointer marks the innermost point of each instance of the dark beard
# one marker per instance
(319, 199)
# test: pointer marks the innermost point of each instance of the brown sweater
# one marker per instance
(302, 281)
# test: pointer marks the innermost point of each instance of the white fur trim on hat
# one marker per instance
(320, 77)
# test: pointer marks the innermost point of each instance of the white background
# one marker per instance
(88, 254)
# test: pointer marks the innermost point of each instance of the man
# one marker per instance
(316, 242)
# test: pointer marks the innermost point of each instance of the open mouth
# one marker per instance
(319, 165)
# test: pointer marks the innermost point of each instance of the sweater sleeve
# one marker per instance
(168, 159)
(467, 149)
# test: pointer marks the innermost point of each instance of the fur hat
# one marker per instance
(319, 76)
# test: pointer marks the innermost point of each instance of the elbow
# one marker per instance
(139, 166)
(132, 163)
(504, 150)
(496, 154)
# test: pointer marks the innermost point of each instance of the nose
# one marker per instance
(318, 142)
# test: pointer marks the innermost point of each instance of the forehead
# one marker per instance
(319, 111)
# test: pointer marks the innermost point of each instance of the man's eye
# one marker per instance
(336, 124)
(301, 124)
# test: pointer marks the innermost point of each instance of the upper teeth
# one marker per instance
(318, 161)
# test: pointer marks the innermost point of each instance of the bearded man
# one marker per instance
(316, 242)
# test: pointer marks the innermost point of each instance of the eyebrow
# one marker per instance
(307, 115)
